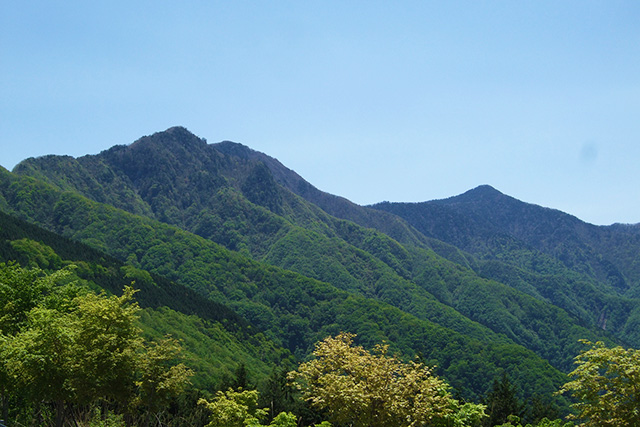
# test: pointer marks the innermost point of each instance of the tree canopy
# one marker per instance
(72, 348)
(366, 389)
(606, 383)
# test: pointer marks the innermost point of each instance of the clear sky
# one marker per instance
(370, 100)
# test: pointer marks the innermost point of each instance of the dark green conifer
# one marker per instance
(502, 401)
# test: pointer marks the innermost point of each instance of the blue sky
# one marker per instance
(370, 100)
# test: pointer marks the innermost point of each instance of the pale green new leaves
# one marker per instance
(21, 290)
(514, 421)
(370, 390)
(66, 344)
(234, 408)
(239, 409)
(160, 379)
(107, 345)
(607, 385)
(36, 359)
(84, 352)
(283, 419)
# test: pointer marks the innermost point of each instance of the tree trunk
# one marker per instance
(5, 407)
(59, 413)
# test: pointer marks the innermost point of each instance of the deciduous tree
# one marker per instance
(606, 383)
(234, 408)
(64, 345)
(366, 389)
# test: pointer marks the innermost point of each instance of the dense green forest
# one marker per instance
(249, 267)
(214, 339)
(589, 271)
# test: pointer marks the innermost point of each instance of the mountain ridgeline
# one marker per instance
(480, 284)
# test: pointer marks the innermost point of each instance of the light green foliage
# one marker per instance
(106, 420)
(107, 346)
(20, 291)
(606, 383)
(71, 347)
(159, 379)
(136, 274)
(40, 255)
(283, 419)
(359, 388)
(200, 339)
(234, 409)
(240, 409)
(514, 421)
(37, 358)
(466, 415)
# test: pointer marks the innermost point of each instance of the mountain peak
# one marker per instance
(483, 192)
(485, 189)
(175, 134)
(178, 130)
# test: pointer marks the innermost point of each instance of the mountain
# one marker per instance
(460, 289)
(293, 310)
(592, 271)
(481, 219)
(231, 195)
(165, 173)
(168, 307)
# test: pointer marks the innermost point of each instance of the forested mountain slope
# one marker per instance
(174, 175)
(590, 271)
(465, 292)
(231, 195)
(293, 310)
(336, 206)
(169, 308)
(489, 224)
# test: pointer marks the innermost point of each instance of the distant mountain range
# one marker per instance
(478, 284)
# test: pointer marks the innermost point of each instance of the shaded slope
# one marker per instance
(336, 206)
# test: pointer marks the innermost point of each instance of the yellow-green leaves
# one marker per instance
(159, 378)
(76, 348)
(366, 389)
(607, 384)
(234, 409)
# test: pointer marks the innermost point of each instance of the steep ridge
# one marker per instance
(340, 207)
(293, 310)
(227, 193)
(162, 174)
(336, 206)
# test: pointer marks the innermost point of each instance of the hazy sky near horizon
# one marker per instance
(371, 100)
